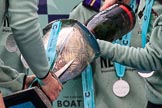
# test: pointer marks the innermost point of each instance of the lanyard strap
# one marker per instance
(87, 79)
(120, 69)
(88, 89)
(146, 20)
(133, 4)
(51, 47)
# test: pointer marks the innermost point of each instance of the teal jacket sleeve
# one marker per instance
(144, 59)
(23, 19)
(79, 13)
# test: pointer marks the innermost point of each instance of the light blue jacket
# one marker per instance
(23, 20)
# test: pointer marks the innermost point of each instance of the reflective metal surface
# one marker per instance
(74, 42)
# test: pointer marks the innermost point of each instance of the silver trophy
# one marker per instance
(73, 43)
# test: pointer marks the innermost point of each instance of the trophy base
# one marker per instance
(33, 97)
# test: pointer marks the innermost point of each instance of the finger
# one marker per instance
(51, 95)
(47, 93)
(60, 86)
(106, 5)
(54, 96)
(56, 78)
(60, 89)
(28, 81)
(31, 78)
(1, 101)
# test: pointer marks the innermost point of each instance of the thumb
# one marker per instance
(1, 101)
(29, 80)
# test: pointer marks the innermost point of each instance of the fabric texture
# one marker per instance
(105, 76)
(147, 59)
(21, 19)
(10, 79)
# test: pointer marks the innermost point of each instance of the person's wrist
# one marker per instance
(50, 77)
(47, 78)
(24, 82)
(53, 74)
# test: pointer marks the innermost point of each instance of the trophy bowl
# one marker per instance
(70, 41)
